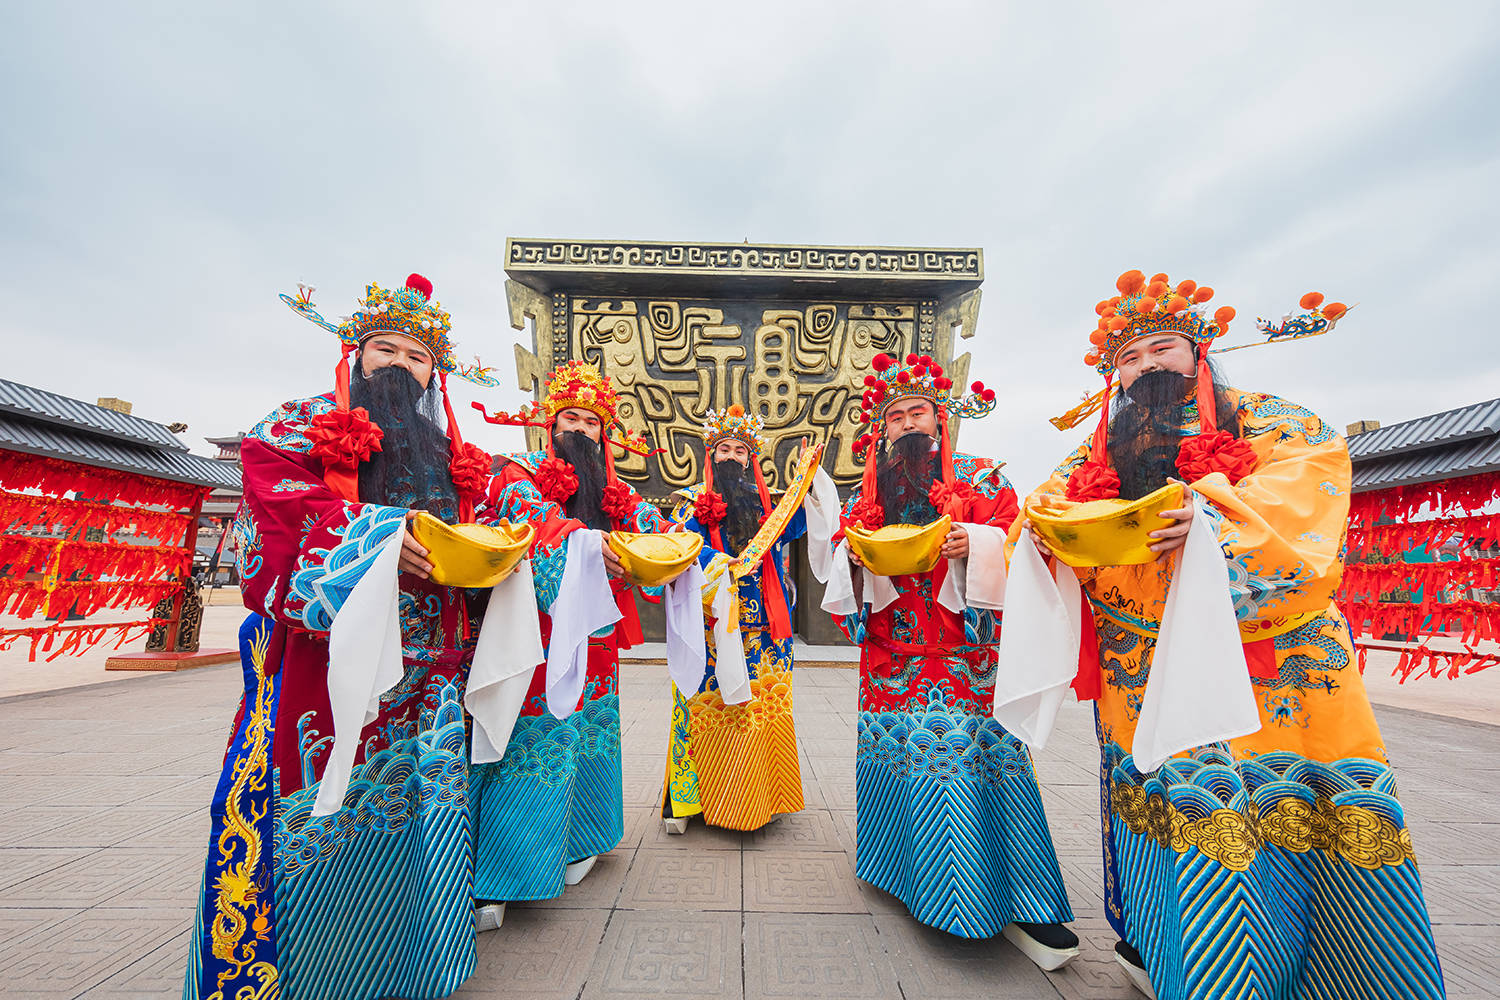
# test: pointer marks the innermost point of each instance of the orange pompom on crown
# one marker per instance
(1144, 308)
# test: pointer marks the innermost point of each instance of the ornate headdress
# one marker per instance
(343, 438)
(409, 311)
(575, 385)
(919, 378)
(735, 424)
(1144, 309)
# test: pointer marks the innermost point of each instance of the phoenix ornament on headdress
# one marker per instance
(409, 311)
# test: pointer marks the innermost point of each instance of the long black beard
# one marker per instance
(1146, 432)
(411, 469)
(735, 483)
(586, 456)
(904, 474)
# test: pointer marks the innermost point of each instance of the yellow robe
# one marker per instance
(1274, 865)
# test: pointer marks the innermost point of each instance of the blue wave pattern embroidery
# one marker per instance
(555, 798)
(950, 820)
(323, 582)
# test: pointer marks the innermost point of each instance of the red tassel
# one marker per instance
(1088, 682)
(1260, 658)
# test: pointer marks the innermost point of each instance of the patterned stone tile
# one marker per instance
(808, 830)
(699, 837)
(838, 791)
(800, 882)
(824, 956)
(541, 954)
(936, 965)
(102, 875)
(17, 864)
(85, 948)
(159, 973)
(683, 880)
(600, 888)
(655, 953)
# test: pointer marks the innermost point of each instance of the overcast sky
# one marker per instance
(169, 168)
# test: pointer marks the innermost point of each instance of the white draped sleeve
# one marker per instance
(505, 657)
(584, 605)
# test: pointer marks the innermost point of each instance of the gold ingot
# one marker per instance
(651, 560)
(1105, 532)
(471, 555)
(899, 549)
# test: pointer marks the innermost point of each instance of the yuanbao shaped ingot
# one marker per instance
(899, 549)
(651, 560)
(1105, 532)
(471, 555)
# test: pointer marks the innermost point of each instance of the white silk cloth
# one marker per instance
(687, 652)
(505, 658)
(584, 605)
(1038, 655)
(730, 670)
(822, 510)
(1198, 691)
(365, 661)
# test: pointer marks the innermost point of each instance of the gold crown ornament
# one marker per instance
(737, 425)
(410, 311)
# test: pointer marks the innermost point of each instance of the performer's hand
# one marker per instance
(1043, 549)
(1174, 535)
(412, 555)
(854, 558)
(612, 564)
(956, 545)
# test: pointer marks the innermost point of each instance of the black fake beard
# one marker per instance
(904, 474)
(736, 484)
(1146, 433)
(586, 456)
(411, 469)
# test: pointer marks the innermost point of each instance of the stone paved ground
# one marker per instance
(103, 832)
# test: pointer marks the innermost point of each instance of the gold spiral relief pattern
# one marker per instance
(1358, 834)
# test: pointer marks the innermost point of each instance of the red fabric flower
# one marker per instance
(1093, 481)
(962, 493)
(344, 438)
(1203, 454)
(618, 501)
(867, 513)
(556, 480)
(470, 470)
(710, 509)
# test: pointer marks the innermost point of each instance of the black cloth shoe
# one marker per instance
(1056, 936)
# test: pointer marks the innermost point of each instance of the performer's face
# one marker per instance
(1165, 352)
(396, 350)
(731, 449)
(908, 416)
(577, 419)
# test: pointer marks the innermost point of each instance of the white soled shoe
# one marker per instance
(1129, 960)
(488, 917)
(574, 873)
(675, 824)
(1049, 946)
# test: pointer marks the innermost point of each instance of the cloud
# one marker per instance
(168, 168)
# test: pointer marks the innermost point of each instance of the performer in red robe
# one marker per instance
(340, 862)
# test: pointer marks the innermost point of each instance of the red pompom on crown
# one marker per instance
(418, 283)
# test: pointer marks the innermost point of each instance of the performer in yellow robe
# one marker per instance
(736, 764)
(1275, 864)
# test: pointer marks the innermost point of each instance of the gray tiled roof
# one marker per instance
(49, 407)
(1460, 442)
(43, 423)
